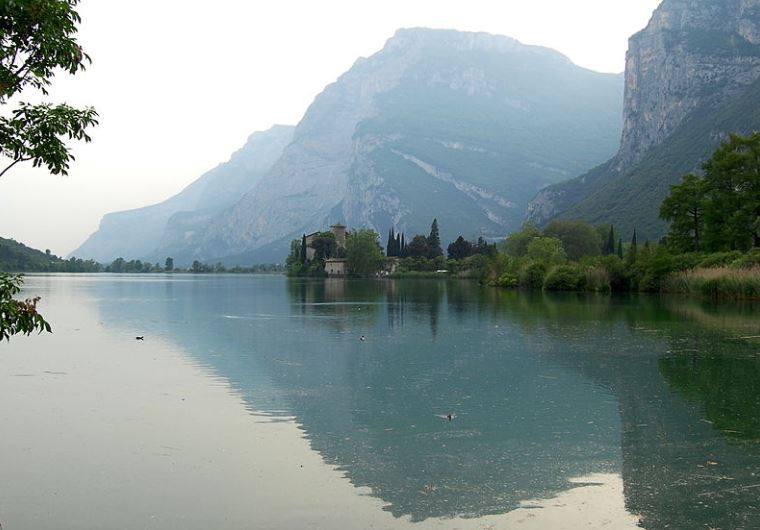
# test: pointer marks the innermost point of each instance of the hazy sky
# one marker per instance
(180, 84)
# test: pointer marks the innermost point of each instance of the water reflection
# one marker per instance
(543, 388)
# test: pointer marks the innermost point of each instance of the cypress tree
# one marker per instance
(609, 248)
(303, 249)
(633, 252)
(402, 250)
(620, 248)
(398, 245)
(389, 250)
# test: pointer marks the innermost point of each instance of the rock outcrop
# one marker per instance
(465, 127)
(695, 58)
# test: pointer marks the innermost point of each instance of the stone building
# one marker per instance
(333, 266)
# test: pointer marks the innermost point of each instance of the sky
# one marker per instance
(180, 85)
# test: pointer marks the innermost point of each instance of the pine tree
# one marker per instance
(303, 249)
(434, 241)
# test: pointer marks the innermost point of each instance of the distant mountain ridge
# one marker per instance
(466, 127)
(150, 231)
(691, 79)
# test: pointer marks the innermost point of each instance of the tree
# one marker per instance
(169, 264)
(434, 241)
(547, 250)
(609, 246)
(418, 247)
(37, 39)
(579, 238)
(684, 209)
(392, 249)
(620, 248)
(517, 242)
(324, 245)
(364, 255)
(460, 249)
(732, 205)
(302, 250)
(17, 316)
(633, 252)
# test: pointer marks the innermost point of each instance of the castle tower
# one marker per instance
(340, 234)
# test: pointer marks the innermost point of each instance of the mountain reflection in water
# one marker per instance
(543, 388)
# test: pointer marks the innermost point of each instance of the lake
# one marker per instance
(264, 402)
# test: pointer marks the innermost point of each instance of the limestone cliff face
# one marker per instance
(465, 127)
(693, 57)
(693, 53)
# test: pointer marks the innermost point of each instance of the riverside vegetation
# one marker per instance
(712, 248)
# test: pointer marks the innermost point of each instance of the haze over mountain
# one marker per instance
(466, 127)
(165, 225)
(692, 77)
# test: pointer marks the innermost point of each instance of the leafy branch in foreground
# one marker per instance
(18, 316)
(38, 37)
(34, 133)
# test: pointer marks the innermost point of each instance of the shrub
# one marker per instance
(597, 279)
(748, 261)
(564, 278)
(507, 281)
(719, 259)
(532, 275)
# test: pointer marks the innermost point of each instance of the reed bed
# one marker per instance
(717, 282)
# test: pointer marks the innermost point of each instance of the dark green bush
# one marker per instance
(565, 278)
(532, 275)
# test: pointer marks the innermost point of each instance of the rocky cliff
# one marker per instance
(465, 127)
(147, 232)
(691, 65)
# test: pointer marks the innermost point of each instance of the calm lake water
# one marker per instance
(263, 402)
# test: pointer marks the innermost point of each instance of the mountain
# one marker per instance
(691, 79)
(465, 127)
(146, 233)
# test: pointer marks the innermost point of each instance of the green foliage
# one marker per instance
(517, 242)
(39, 38)
(719, 259)
(17, 316)
(17, 257)
(578, 238)
(460, 249)
(434, 241)
(364, 253)
(684, 209)
(547, 250)
(324, 245)
(418, 247)
(564, 278)
(532, 275)
(169, 264)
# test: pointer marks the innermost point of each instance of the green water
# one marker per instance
(664, 393)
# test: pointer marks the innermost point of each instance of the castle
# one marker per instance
(334, 267)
